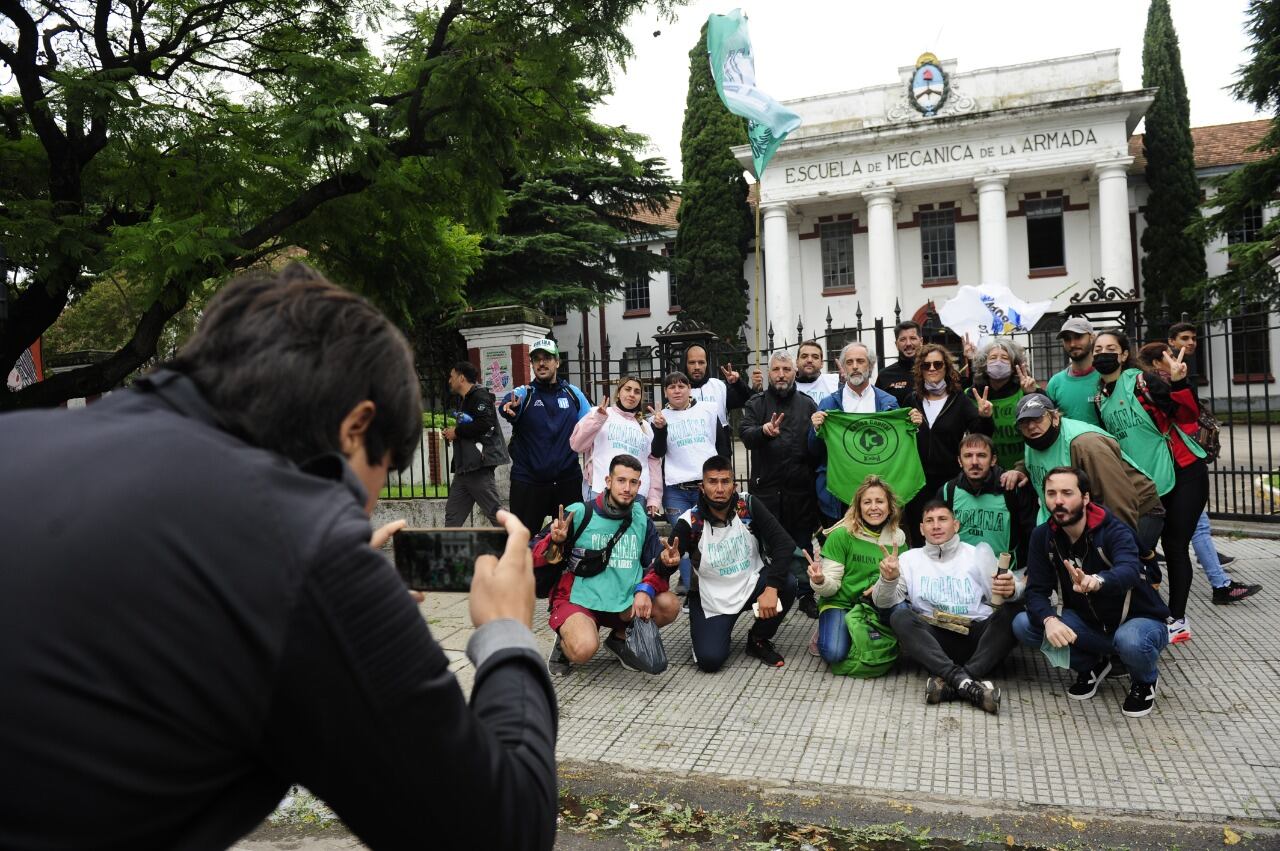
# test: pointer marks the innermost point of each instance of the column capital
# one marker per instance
(773, 209)
(879, 194)
(1118, 167)
(991, 181)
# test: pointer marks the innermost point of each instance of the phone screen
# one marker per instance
(443, 559)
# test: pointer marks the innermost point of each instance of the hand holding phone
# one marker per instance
(444, 559)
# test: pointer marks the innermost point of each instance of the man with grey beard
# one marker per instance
(855, 395)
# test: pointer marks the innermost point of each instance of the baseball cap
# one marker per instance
(1076, 325)
(545, 345)
(1033, 406)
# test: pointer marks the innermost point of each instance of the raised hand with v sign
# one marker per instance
(560, 528)
(773, 428)
(730, 374)
(659, 421)
(985, 406)
(889, 570)
(670, 554)
(1081, 582)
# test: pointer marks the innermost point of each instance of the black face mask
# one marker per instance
(876, 529)
(1045, 440)
(1106, 363)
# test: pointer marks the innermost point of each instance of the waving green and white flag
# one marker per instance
(734, 69)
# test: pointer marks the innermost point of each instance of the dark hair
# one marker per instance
(1150, 355)
(1122, 339)
(1082, 478)
(934, 505)
(716, 464)
(283, 357)
(1178, 327)
(949, 370)
(977, 438)
(813, 344)
(906, 325)
(467, 370)
(676, 377)
(631, 462)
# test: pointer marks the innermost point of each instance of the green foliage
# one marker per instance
(176, 143)
(1250, 279)
(1173, 258)
(715, 220)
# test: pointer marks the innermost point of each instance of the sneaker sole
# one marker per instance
(1096, 686)
(1180, 638)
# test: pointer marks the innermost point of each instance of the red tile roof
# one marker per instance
(1216, 145)
(664, 218)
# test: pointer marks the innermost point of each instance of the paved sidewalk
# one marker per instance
(1210, 751)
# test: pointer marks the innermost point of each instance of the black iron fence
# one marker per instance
(1233, 370)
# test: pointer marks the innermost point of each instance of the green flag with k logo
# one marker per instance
(861, 444)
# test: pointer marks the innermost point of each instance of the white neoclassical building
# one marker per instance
(1026, 175)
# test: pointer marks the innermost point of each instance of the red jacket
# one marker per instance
(1172, 403)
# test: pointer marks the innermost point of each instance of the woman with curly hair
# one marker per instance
(943, 414)
(1002, 376)
(850, 562)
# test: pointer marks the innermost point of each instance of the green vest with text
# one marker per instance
(1041, 461)
(983, 517)
(1124, 416)
(613, 590)
(1007, 439)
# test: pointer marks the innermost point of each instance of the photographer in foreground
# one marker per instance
(197, 619)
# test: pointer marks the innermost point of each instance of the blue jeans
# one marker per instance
(677, 501)
(1207, 554)
(833, 636)
(1137, 642)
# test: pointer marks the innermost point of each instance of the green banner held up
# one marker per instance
(861, 444)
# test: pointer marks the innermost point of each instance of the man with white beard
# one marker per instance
(856, 395)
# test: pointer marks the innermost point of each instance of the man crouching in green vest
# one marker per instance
(987, 513)
(1119, 484)
(613, 551)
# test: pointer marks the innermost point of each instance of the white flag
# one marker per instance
(989, 311)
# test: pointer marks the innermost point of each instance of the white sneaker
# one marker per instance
(1179, 630)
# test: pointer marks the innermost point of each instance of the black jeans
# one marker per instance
(711, 635)
(950, 655)
(1183, 506)
(533, 503)
(798, 514)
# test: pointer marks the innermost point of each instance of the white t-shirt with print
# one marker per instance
(955, 579)
(620, 435)
(729, 566)
(820, 388)
(715, 395)
(691, 440)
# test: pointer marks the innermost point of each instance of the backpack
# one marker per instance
(872, 649)
(1208, 429)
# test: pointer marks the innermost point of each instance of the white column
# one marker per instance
(1115, 248)
(777, 275)
(993, 229)
(882, 255)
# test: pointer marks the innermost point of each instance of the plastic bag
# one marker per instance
(645, 643)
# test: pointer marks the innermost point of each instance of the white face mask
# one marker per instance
(999, 369)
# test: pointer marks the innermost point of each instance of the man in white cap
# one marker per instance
(545, 473)
(1074, 388)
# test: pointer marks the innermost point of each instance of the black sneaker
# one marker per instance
(618, 647)
(1087, 682)
(983, 695)
(1140, 700)
(763, 649)
(809, 606)
(557, 662)
(1234, 592)
(1224, 559)
(936, 690)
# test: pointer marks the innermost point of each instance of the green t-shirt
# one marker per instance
(1007, 439)
(1075, 394)
(861, 559)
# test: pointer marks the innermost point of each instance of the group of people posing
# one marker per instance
(1038, 520)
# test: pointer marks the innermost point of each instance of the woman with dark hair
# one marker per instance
(1145, 413)
(943, 415)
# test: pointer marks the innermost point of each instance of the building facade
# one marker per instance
(888, 198)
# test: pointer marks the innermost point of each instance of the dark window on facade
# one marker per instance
(938, 244)
(1248, 227)
(837, 255)
(1044, 234)
(1251, 344)
(638, 292)
(673, 294)
(556, 310)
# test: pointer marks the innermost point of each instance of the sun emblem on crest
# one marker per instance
(929, 85)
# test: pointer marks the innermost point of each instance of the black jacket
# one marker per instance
(1021, 503)
(194, 624)
(897, 380)
(1112, 552)
(939, 444)
(783, 463)
(478, 443)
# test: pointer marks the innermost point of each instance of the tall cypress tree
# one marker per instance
(715, 219)
(1173, 259)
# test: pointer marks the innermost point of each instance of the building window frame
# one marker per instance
(1046, 237)
(636, 296)
(836, 250)
(1251, 346)
(1248, 227)
(938, 246)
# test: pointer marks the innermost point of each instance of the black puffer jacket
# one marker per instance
(781, 463)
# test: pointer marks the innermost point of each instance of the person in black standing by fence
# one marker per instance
(943, 414)
(478, 448)
(898, 379)
(775, 428)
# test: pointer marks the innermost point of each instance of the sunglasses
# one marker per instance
(932, 365)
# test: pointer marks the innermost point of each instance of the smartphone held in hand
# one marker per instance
(443, 559)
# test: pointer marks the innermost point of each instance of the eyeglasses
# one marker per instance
(932, 365)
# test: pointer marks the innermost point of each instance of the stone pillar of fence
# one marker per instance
(498, 341)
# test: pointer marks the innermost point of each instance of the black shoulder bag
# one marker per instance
(589, 563)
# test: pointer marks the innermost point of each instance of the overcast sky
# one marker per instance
(810, 47)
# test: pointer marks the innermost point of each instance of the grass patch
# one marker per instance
(414, 492)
